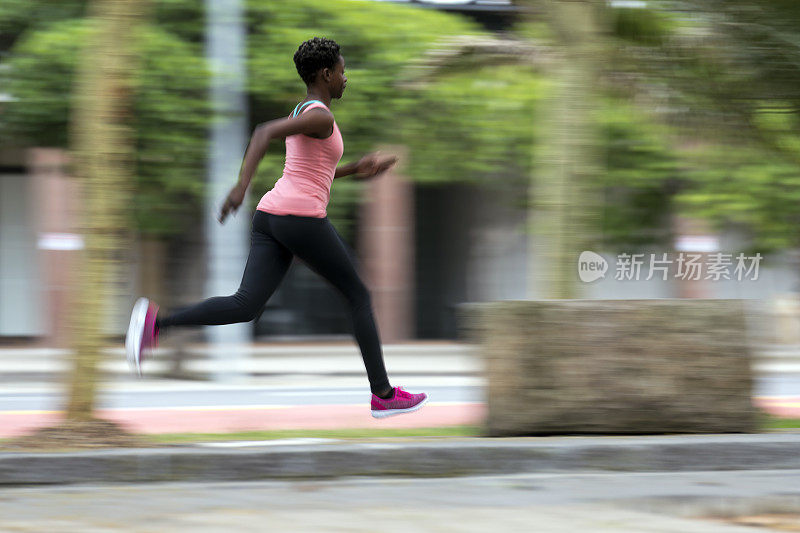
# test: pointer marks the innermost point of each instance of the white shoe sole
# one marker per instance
(392, 412)
(133, 340)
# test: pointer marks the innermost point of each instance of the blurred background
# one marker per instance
(690, 116)
(528, 132)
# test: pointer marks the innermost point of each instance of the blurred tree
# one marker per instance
(102, 149)
(19, 16)
(724, 77)
(467, 123)
(171, 112)
(641, 176)
(752, 177)
(603, 169)
(564, 217)
(487, 97)
(713, 73)
(378, 40)
(169, 121)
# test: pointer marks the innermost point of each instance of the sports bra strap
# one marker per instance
(300, 106)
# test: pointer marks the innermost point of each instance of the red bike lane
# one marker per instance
(227, 419)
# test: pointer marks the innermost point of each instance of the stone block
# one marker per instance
(614, 366)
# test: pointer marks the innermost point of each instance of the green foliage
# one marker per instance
(378, 41)
(170, 113)
(39, 76)
(642, 173)
(644, 26)
(183, 19)
(171, 116)
(724, 76)
(763, 37)
(18, 16)
(746, 187)
(475, 125)
(749, 177)
(171, 120)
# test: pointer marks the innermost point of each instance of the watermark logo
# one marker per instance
(591, 266)
(683, 266)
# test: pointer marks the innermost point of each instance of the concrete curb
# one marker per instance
(413, 457)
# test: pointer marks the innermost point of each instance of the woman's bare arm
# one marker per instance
(367, 167)
(315, 122)
(346, 170)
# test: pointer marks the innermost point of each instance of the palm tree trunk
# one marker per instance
(103, 156)
(564, 214)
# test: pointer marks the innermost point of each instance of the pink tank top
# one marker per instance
(304, 189)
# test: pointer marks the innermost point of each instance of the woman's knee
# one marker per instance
(247, 308)
(359, 296)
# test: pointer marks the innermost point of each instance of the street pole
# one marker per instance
(227, 245)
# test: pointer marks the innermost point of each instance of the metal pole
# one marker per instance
(227, 245)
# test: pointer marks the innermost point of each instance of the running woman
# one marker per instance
(291, 220)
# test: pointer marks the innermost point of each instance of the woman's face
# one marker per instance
(338, 80)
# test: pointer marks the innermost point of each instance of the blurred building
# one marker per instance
(37, 242)
(424, 249)
(21, 305)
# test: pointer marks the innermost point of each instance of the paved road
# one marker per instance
(591, 502)
(185, 407)
(200, 395)
(284, 392)
(777, 385)
(287, 402)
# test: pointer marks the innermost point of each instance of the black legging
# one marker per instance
(274, 240)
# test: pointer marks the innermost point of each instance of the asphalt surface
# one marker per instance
(200, 396)
(323, 390)
(693, 502)
(777, 385)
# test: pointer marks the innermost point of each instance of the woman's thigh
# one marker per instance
(267, 263)
(317, 243)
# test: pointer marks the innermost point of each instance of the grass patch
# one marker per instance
(771, 422)
(186, 438)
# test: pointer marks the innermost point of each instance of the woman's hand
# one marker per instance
(371, 165)
(232, 202)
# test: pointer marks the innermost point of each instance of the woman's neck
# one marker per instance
(322, 96)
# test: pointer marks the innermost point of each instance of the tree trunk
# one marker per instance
(564, 216)
(103, 154)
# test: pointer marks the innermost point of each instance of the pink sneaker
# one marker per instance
(400, 402)
(142, 334)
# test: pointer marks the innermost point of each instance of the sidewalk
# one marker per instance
(684, 502)
(275, 366)
(312, 365)
(445, 456)
(320, 358)
(258, 359)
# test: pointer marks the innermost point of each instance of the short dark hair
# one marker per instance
(313, 55)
